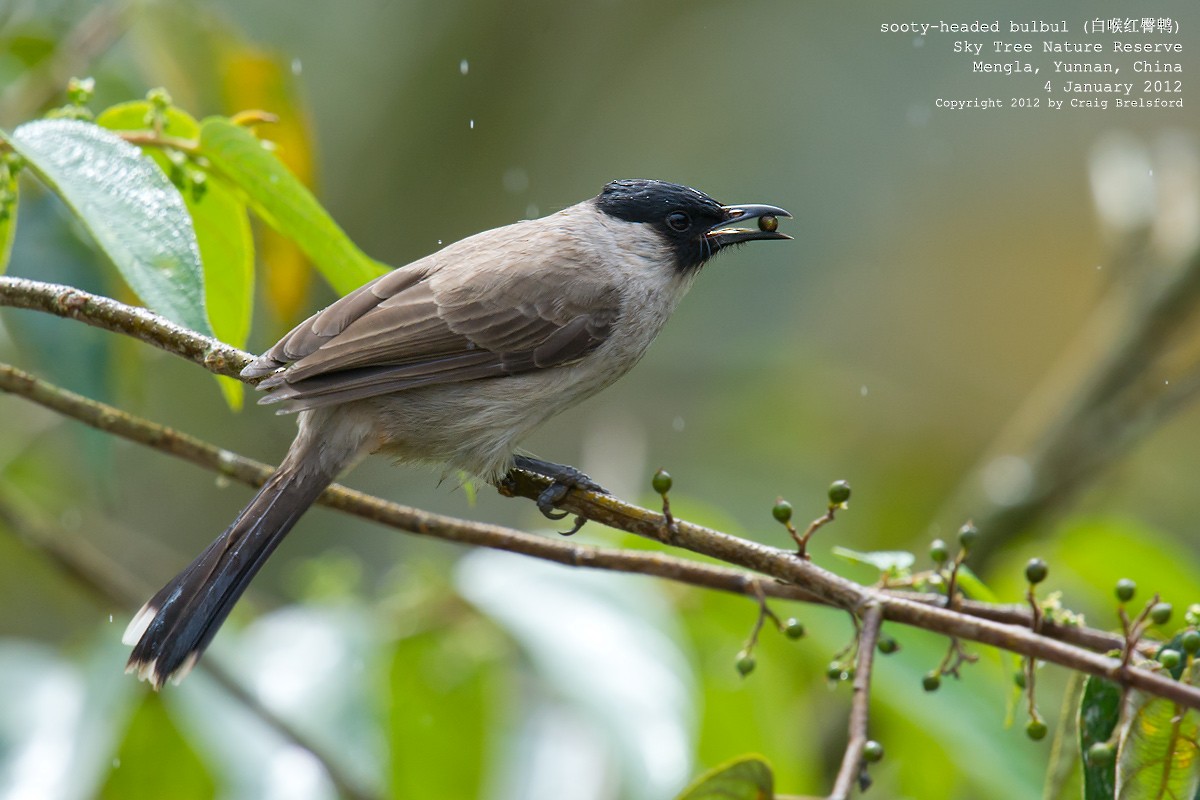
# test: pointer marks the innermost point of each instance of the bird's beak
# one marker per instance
(720, 235)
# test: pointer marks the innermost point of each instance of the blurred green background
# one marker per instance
(945, 290)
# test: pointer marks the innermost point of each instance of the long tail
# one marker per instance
(176, 625)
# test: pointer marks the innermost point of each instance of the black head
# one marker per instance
(689, 220)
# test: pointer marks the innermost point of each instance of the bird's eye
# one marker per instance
(679, 221)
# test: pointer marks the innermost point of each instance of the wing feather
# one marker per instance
(434, 322)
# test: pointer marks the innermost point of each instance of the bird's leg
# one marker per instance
(563, 479)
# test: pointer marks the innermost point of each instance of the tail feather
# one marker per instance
(171, 631)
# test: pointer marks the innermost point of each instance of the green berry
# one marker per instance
(793, 629)
(782, 511)
(1170, 658)
(839, 493)
(1192, 615)
(745, 663)
(199, 183)
(872, 752)
(1035, 570)
(967, 535)
(1101, 754)
(1190, 641)
(1019, 678)
(1036, 730)
(931, 681)
(1160, 613)
(938, 551)
(661, 481)
(80, 90)
(1125, 590)
(887, 645)
(159, 98)
(835, 671)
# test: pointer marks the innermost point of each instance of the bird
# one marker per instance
(452, 360)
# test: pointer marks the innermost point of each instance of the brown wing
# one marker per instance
(431, 324)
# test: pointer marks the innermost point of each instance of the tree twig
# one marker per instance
(139, 323)
(89, 39)
(1112, 409)
(107, 582)
(852, 761)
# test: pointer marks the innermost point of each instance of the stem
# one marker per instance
(852, 766)
(109, 584)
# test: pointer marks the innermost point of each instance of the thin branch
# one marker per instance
(87, 41)
(813, 527)
(140, 323)
(802, 580)
(852, 761)
(107, 582)
(782, 565)
(254, 473)
(841, 593)
(1113, 408)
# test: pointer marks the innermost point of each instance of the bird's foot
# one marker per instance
(562, 480)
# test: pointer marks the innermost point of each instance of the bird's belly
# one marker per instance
(477, 425)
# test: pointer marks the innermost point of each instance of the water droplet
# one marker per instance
(516, 180)
(296, 66)
(439, 242)
(472, 125)
(862, 390)
(464, 67)
(677, 424)
(1007, 480)
(227, 460)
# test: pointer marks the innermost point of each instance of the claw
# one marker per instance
(551, 496)
(563, 479)
(580, 521)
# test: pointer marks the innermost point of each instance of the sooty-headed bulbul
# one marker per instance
(453, 360)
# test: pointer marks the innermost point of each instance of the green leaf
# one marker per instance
(154, 755)
(132, 211)
(744, 778)
(1064, 777)
(974, 586)
(584, 635)
(1099, 711)
(1160, 753)
(883, 560)
(446, 692)
(285, 203)
(8, 221)
(222, 232)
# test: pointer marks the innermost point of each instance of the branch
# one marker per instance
(841, 593)
(852, 761)
(110, 584)
(1113, 407)
(805, 580)
(87, 41)
(141, 324)
(254, 473)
